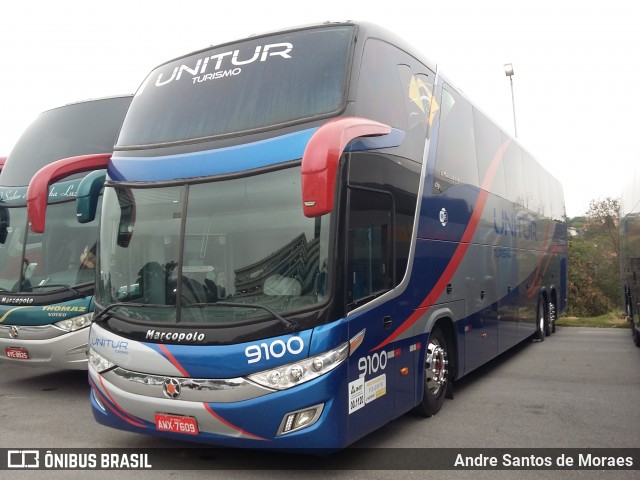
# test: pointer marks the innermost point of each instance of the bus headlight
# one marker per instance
(98, 362)
(292, 374)
(75, 323)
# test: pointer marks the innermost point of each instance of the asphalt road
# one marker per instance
(578, 389)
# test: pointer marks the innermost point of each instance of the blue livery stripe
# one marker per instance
(238, 158)
(211, 162)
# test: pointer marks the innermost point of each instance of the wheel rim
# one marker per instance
(541, 320)
(436, 367)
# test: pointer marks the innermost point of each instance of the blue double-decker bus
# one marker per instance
(306, 234)
(47, 275)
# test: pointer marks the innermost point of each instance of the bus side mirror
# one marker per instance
(88, 195)
(322, 156)
(38, 191)
(127, 217)
(4, 213)
(4, 224)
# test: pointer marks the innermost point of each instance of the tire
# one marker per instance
(541, 321)
(552, 319)
(437, 376)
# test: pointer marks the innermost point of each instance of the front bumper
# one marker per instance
(230, 422)
(46, 346)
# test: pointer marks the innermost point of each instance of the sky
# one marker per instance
(576, 83)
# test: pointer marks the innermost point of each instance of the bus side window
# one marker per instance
(369, 246)
(456, 162)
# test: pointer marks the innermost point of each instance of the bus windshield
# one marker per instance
(59, 259)
(76, 129)
(254, 84)
(245, 241)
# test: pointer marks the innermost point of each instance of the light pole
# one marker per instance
(508, 71)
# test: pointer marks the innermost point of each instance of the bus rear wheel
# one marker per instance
(551, 323)
(436, 374)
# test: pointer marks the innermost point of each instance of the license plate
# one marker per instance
(176, 424)
(17, 353)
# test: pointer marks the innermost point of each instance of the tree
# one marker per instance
(594, 272)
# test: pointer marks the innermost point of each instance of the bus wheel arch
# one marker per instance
(440, 368)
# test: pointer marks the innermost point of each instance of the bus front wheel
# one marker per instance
(436, 374)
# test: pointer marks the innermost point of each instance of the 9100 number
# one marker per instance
(275, 349)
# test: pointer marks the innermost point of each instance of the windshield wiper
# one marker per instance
(57, 285)
(289, 324)
(104, 311)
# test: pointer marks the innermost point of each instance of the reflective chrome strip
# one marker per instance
(40, 332)
(191, 389)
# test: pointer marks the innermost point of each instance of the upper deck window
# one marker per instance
(76, 129)
(254, 84)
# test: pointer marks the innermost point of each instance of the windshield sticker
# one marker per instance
(375, 388)
(68, 189)
(362, 393)
(356, 395)
(225, 64)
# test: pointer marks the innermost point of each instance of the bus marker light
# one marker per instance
(356, 341)
(404, 371)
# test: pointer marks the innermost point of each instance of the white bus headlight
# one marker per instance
(292, 374)
(75, 323)
(98, 362)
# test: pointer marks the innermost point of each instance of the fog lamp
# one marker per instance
(300, 419)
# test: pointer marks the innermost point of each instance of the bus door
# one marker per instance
(369, 272)
(507, 266)
(529, 291)
(481, 335)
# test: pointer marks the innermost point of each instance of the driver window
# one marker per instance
(370, 246)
